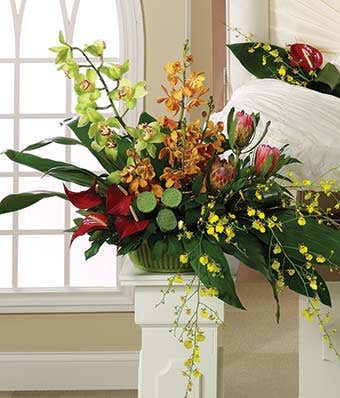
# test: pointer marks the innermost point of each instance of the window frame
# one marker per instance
(87, 299)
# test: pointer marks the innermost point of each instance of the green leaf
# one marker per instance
(20, 201)
(225, 286)
(94, 248)
(69, 172)
(197, 184)
(73, 174)
(146, 118)
(56, 140)
(174, 246)
(329, 75)
(253, 61)
(320, 239)
(123, 145)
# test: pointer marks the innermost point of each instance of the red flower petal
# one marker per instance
(84, 199)
(90, 223)
(306, 57)
(126, 226)
(117, 203)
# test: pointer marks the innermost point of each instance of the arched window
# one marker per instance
(35, 252)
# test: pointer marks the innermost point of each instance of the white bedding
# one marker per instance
(307, 120)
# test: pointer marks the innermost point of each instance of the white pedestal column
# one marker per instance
(162, 356)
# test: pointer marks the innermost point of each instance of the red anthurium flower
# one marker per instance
(117, 203)
(126, 226)
(84, 199)
(306, 57)
(262, 154)
(91, 223)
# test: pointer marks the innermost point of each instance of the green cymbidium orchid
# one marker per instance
(129, 93)
(146, 136)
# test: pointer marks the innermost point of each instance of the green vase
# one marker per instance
(143, 259)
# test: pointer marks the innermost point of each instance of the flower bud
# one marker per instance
(244, 129)
(222, 173)
(263, 152)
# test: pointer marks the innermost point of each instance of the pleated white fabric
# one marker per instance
(315, 22)
(306, 120)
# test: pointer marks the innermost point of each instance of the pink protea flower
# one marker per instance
(306, 57)
(262, 154)
(222, 173)
(244, 129)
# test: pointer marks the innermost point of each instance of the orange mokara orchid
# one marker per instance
(173, 100)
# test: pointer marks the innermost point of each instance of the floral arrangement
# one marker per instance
(182, 193)
(299, 64)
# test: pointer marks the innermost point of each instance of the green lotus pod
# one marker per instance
(166, 220)
(171, 197)
(146, 202)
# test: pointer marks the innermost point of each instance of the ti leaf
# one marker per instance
(56, 140)
(69, 172)
(20, 201)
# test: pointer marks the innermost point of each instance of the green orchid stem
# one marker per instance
(119, 118)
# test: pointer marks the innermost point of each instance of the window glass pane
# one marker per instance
(81, 157)
(40, 26)
(6, 188)
(6, 30)
(6, 262)
(49, 212)
(98, 23)
(41, 261)
(42, 89)
(7, 88)
(6, 142)
(35, 130)
(97, 271)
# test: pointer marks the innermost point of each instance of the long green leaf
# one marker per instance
(19, 201)
(254, 254)
(82, 134)
(225, 285)
(56, 140)
(253, 61)
(320, 239)
(74, 173)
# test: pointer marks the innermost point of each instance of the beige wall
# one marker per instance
(260, 357)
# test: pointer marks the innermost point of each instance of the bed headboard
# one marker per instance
(315, 22)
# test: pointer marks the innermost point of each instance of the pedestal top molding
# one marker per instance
(132, 276)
